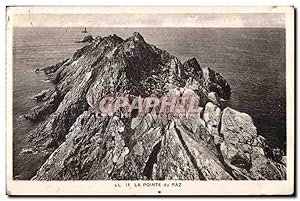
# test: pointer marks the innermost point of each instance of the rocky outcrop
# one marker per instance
(214, 144)
(216, 83)
(86, 39)
(244, 149)
(211, 116)
(51, 69)
(51, 100)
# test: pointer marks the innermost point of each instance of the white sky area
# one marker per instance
(151, 20)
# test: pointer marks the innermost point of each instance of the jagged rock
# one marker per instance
(213, 86)
(284, 160)
(215, 99)
(211, 116)
(51, 69)
(190, 108)
(242, 149)
(105, 148)
(27, 151)
(264, 168)
(52, 100)
(40, 96)
(237, 127)
(94, 146)
(86, 39)
(215, 82)
(192, 69)
(273, 153)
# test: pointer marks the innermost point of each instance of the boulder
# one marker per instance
(242, 147)
(212, 116)
(237, 127)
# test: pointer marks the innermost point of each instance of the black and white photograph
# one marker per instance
(150, 100)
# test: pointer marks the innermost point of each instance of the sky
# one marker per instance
(151, 20)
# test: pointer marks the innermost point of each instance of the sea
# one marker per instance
(252, 60)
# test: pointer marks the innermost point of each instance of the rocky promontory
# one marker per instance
(86, 39)
(219, 143)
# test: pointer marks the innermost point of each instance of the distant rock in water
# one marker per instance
(86, 39)
(219, 143)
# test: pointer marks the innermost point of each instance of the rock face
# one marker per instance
(215, 144)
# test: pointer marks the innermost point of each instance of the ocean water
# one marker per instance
(252, 60)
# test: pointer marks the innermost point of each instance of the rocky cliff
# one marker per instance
(219, 143)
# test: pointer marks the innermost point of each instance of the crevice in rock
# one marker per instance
(128, 133)
(227, 168)
(201, 176)
(84, 170)
(220, 125)
(202, 113)
(151, 161)
(69, 119)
